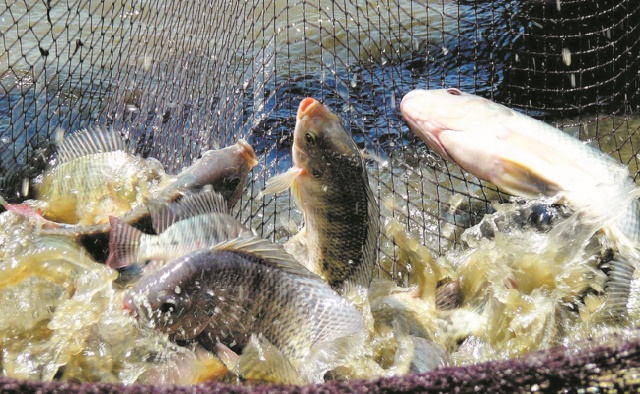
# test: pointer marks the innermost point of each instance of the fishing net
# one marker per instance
(180, 77)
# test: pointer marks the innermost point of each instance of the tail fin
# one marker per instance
(124, 242)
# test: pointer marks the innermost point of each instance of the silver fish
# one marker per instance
(195, 222)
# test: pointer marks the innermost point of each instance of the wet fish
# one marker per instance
(522, 155)
(529, 158)
(243, 287)
(223, 169)
(330, 185)
(94, 176)
(196, 221)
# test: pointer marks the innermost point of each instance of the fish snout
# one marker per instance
(308, 106)
(247, 152)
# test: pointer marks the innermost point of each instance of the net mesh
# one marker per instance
(180, 77)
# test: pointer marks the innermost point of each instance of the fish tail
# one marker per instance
(124, 243)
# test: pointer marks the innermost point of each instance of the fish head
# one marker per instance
(166, 300)
(321, 145)
(224, 169)
(463, 128)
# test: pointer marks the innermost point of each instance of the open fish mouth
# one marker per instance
(307, 106)
(248, 153)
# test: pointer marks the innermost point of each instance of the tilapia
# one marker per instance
(243, 287)
(225, 170)
(194, 222)
(330, 185)
(529, 158)
(94, 176)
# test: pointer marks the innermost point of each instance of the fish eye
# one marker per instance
(232, 182)
(168, 305)
(316, 173)
(311, 139)
(454, 92)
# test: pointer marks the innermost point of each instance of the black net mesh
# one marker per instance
(180, 77)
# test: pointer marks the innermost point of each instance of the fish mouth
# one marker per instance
(307, 106)
(429, 133)
(247, 152)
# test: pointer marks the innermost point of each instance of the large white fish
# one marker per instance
(529, 158)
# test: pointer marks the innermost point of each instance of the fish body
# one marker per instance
(517, 153)
(526, 157)
(330, 185)
(95, 176)
(244, 287)
(195, 222)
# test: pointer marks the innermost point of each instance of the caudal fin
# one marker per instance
(124, 242)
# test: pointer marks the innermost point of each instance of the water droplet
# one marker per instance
(566, 56)
(25, 187)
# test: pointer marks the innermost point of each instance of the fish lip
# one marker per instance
(307, 106)
(247, 152)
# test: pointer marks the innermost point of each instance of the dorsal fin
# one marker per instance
(164, 215)
(90, 141)
(273, 254)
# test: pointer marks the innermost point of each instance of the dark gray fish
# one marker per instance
(329, 182)
(243, 287)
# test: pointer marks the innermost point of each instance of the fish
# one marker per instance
(225, 170)
(93, 176)
(196, 221)
(242, 287)
(330, 185)
(529, 158)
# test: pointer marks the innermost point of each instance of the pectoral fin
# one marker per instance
(522, 180)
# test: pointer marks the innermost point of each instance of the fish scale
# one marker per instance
(336, 234)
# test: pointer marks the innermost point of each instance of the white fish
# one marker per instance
(529, 158)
